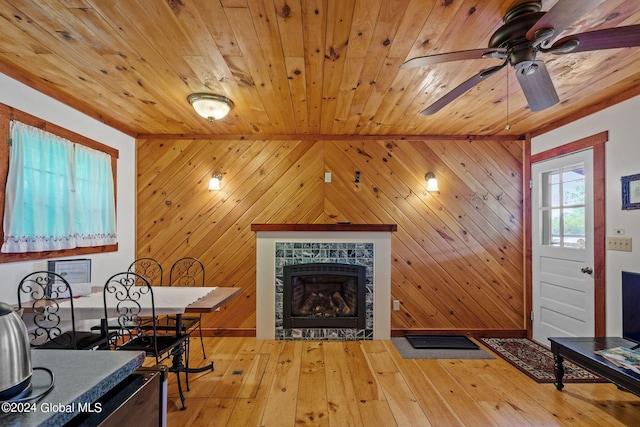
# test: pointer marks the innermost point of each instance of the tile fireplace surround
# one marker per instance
(288, 244)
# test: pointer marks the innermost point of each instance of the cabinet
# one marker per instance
(139, 398)
(93, 387)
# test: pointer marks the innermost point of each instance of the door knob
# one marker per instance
(587, 270)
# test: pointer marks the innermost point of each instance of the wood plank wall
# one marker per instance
(457, 257)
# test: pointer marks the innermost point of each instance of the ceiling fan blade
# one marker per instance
(562, 16)
(423, 61)
(459, 90)
(538, 87)
(609, 38)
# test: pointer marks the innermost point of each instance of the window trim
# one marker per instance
(6, 115)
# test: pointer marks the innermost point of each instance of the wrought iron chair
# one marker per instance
(189, 271)
(149, 268)
(126, 295)
(40, 295)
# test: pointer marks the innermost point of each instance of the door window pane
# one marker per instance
(562, 211)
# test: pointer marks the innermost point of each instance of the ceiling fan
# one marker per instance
(526, 32)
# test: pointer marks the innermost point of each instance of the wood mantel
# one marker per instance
(324, 227)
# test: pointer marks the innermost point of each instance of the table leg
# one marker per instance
(558, 370)
(178, 364)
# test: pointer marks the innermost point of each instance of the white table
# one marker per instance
(167, 300)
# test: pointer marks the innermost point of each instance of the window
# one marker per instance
(60, 192)
(563, 210)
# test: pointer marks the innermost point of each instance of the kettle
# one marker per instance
(15, 349)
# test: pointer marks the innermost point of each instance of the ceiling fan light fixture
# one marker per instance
(210, 106)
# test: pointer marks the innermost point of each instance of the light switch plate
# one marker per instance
(327, 177)
(619, 244)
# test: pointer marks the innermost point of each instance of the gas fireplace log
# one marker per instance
(343, 307)
(319, 304)
(307, 307)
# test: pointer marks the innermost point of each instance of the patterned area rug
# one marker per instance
(536, 361)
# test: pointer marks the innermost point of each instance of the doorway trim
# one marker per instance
(595, 142)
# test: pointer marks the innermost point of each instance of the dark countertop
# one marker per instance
(81, 377)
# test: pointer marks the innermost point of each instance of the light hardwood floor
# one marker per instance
(368, 383)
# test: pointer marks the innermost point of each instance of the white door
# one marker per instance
(562, 247)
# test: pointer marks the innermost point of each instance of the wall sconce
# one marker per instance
(432, 182)
(210, 106)
(214, 182)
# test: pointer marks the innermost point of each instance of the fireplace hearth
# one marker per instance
(324, 295)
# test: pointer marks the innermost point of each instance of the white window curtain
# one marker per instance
(95, 212)
(52, 189)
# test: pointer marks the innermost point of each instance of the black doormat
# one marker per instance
(441, 341)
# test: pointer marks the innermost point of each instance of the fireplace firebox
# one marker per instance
(324, 295)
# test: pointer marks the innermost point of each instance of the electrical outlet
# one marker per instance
(327, 177)
(396, 305)
(619, 244)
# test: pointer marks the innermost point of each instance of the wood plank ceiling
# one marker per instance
(293, 67)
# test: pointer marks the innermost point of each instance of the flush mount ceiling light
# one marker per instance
(432, 182)
(210, 106)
